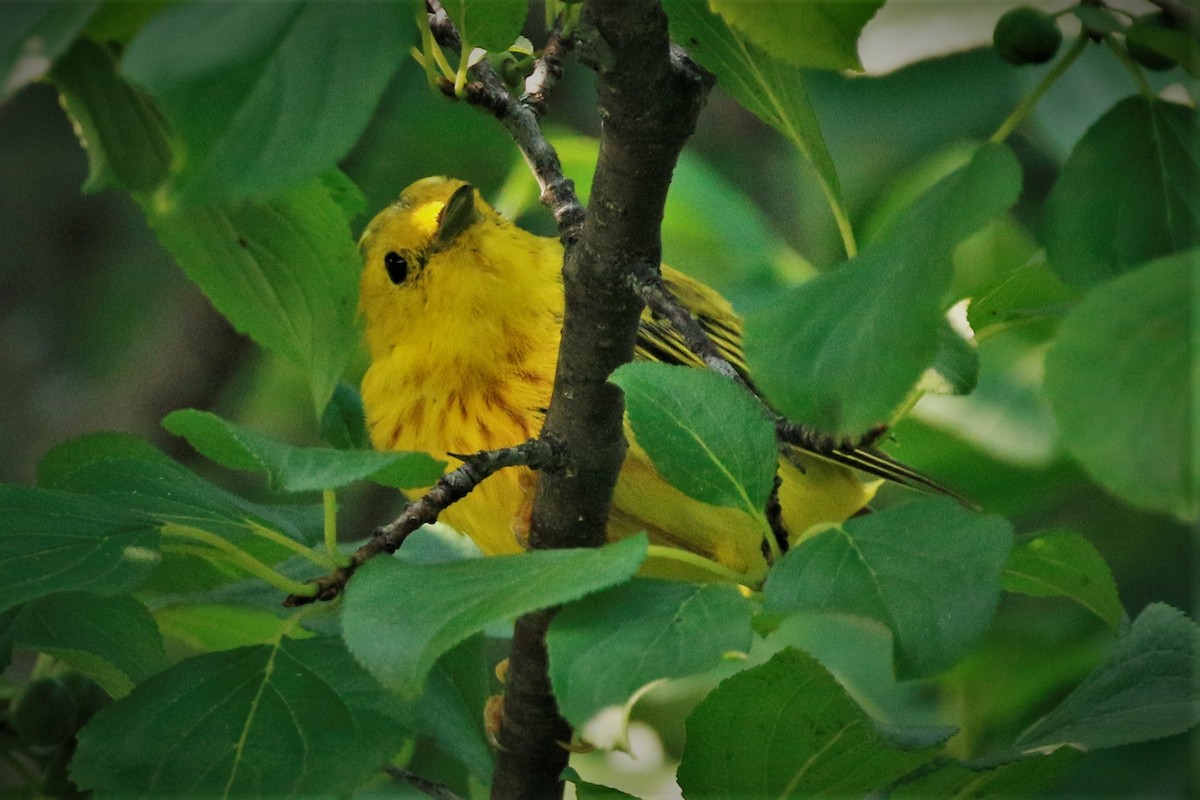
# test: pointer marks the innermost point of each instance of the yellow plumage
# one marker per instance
(463, 314)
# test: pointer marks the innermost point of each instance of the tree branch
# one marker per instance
(547, 70)
(649, 97)
(539, 454)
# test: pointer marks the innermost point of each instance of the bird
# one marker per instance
(462, 313)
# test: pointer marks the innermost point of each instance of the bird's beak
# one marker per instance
(458, 214)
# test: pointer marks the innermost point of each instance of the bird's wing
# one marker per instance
(658, 340)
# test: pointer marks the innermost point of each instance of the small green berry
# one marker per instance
(1025, 35)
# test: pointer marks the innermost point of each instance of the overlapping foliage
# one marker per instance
(227, 123)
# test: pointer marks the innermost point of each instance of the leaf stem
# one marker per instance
(1138, 77)
(209, 545)
(434, 57)
(661, 553)
(275, 537)
(1026, 105)
(845, 229)
(335, 558)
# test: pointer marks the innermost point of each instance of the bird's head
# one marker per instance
(420, 254)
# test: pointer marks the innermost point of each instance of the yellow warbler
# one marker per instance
(463, 314)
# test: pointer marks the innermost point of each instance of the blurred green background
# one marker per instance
(99, 330)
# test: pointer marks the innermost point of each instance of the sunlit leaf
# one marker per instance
(770, 88)
(817, 34)
(264, 96)
(489, 24)
(283, 271)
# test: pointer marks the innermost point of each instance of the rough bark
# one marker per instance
(649, 97)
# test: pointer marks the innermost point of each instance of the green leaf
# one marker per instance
(284, 271)
(1026, 777)
(1145, 689)
(111, 639)
(772, 90)
(1030, 292)
(297, 718)
(64, 458)
(862, 335)
(786, 729)
(122, 131)
(57, 541)
(489, 24)
(1121, 380)
(119, 20)
(165, 492)
(859, 653)
(33, 34)
(298, 469)
(264, 96)
(399, 618)
(708, 436)
(929, 570)
(593, 791)
(1129, 192)
(204, 627)
(608, 645)
(343, 423)
(815, 34)
(345, 193)
(1063, 563)
(451, 709)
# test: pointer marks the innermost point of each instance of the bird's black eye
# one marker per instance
(397, 266)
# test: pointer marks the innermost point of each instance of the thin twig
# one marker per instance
(538, 454)
(663, 303)
(519, 119)
(547, 70)
(423, 785)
